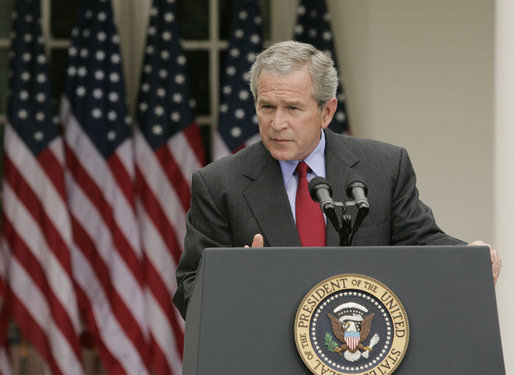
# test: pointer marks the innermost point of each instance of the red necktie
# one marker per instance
(309, 217)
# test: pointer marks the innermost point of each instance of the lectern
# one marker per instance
(241, 316)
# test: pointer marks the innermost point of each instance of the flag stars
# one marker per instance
(154, 12)
(224, 108)
(143, 107)
(243, 15)
(231, 70)
(327, 35)
(86, 33)
(96, 113)
(25, 76)
(24, 95)
(102, 16)
(80, 91)
(113, 97)
(239, 33)
(40, 116)
(100, 55)
(98, 94)
(84, 53)
(111, 135)
(40, 97)
(251, 57)
(236, 132)
(175, 116)
(234, 52)
(41, 78)
(29, 18)
(340, 116)
(115, 59)
(72, 51)
(254, 38)
(147, 69)
(239, 114)
(179, 79)
(27, 57)
(167, 36)
(151, 30)
(299, 29)
(101, 36)
(145, 87)
(181, 60)
(165, 55)
(27, 38)
(161, 92)
(227, 89)
(169, 17)
(243, 95)
(157, 129)
(163, 74)
(312, 33)
(114, 77)
(258, 20)
(22, 114)
(115, 39)
(82, 71)
(177, 98)
(38, 136)
(111, 116)
(159, 111)
(99, 75)
(41, 59)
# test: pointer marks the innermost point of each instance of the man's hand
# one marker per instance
(494, 256)
(257, 241)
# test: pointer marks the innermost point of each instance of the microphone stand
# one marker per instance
(346, 230)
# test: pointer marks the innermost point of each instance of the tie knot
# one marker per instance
(302, 169)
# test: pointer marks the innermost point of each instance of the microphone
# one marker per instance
(357, 190)
(321, 192)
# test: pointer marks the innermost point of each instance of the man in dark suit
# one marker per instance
(249, 197)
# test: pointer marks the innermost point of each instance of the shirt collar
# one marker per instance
(315, 161)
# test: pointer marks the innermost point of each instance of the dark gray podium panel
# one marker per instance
(240, 318)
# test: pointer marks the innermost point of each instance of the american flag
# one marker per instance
(313, 27)
(5, 367)
(36, 224)
(168, 150)
(107, 258)
(238, 125)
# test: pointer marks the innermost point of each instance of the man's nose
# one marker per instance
(279, 119)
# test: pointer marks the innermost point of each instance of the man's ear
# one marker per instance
(328, 112)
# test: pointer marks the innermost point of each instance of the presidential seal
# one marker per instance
(351, 324)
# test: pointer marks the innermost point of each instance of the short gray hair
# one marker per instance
(289, 56)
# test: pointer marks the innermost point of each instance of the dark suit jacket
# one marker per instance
(243, 194)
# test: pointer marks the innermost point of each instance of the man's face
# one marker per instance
(289, 117)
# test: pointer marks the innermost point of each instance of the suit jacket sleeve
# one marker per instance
(206, 227)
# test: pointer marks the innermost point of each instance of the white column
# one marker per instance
(504, 173)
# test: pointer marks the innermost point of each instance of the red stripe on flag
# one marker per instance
(96, 197)
(175, 175)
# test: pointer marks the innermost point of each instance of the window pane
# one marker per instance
(193, 19)
(59, 59)
(4, 68)
(225, 12)
(6, 7)
(198, 72)
(63, 17)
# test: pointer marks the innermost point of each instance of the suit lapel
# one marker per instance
(268, 201)
(339, 160)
